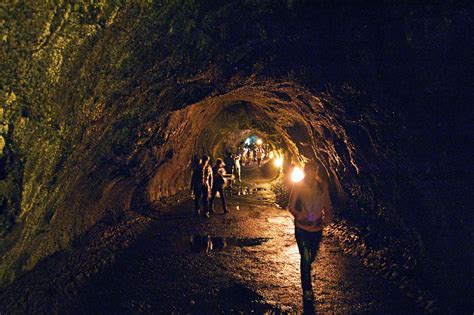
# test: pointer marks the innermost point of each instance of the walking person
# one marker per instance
(237, 167)
(259, 156)
(218, 185)
(201, 185)
(311, 207)
(254, 154)
(244, 157)
(229, 166)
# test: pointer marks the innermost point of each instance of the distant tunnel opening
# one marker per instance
(295, 127)
(299, 124)
(106, 104)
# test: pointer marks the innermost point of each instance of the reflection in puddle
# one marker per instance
(246, 190)
(206, 243)
(243, 190)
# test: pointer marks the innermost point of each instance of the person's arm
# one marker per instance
(292, 200)
(211, 178)
(203, 177)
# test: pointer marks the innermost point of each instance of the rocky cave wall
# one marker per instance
(88, 87)
(296, 123)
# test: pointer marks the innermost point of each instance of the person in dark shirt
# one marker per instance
(218, 186)
(201, 185)
(229, 163)
(229, 166)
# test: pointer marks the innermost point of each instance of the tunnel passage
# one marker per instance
(306, 126)
(158, 162)
(92, 92)
(283, 114)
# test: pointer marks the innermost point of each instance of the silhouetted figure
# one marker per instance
(254, 154)
(195, 161)
(259, 156)
(218, 185)
(309, 307)
(201, 185)
(229, 164)
(311, 207)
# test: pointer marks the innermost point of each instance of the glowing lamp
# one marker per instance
(259, 141)
(278, 162)
(297, 175)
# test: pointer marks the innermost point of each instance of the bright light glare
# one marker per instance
(297, 175)
(278, 162)
(247, 141)
(259, 141)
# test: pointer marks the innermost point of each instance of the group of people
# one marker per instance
(207, 181)
(254, 154)
(233, 166)
(309, 203)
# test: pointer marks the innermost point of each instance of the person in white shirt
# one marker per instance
(310, 205)
(237, 167)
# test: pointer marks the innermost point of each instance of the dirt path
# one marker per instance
(246, 261)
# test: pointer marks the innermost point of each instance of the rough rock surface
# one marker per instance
(378, 94)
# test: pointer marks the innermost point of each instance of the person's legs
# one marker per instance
(315, 240)
(224, 205)
(229, 182)
(197, 197)
(205, 201)
(303, 242)
(238, 175)
(308, 246)
(211, 201)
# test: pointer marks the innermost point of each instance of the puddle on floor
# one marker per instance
(245, 190)
(207, 243)
(279, 220)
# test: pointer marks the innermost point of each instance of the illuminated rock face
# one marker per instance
(104, 105)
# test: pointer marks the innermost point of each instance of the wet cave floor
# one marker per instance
(245, 261)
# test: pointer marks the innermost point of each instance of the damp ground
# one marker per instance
(246, 261)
